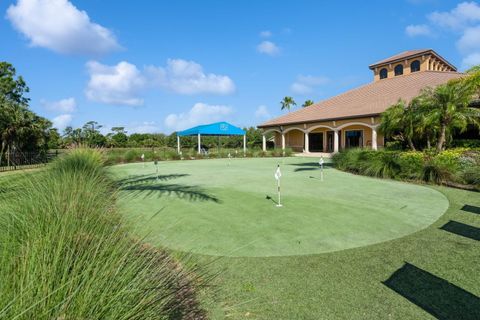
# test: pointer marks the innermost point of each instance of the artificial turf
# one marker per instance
(431, 273)
(228, 207)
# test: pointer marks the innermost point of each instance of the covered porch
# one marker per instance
(327, 136)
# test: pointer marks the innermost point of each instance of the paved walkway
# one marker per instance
(314, 154)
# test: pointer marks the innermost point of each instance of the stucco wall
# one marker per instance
(294, 137)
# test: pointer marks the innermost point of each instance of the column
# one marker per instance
(244, 144)
(264, 142)
(199, 144)
(374, 138)
(283, 141)
(178, 144)
(335, 141)
(307, 143)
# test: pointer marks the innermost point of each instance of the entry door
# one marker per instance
(315, 142)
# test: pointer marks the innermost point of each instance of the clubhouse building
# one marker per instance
(351, 119)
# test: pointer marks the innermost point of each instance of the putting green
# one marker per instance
(226, 208)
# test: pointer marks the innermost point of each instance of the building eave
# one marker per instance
(318, 120)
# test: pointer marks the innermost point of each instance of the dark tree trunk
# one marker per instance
(441, 138)
(410, 144)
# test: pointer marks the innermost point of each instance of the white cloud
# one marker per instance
(470, 40)
(200, 113)
(262, 112)
(64, 105)
(144, 127)
(463, 21)
(62, 121)
(119, 84)
(266, 34)
(471, 60)
(59, 26)
(187, 77)
(307, 84)
(418, 30)
(124, 82)
(463, 14)
(268, 47)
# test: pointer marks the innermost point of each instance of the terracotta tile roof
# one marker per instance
(367, 100)
(401, 56)
(410, 53)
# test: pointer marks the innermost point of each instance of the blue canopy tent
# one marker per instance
(213, 129)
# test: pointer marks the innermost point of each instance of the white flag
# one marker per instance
(143, 156)
(321, 161)
(278, 173)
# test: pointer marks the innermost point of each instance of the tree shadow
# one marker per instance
(181, 191)
(462, 229)
(472, 209)
(311, 164)
(150, 185)
(307, 169)
(435, 295)
(149, 178)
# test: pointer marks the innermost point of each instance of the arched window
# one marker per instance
(398, 70)
(415, 66)
(383, 73)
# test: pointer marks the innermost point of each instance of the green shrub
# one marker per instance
(382, 164)
(436, 171)
(466, 143)
(411, 165)
(65, 253)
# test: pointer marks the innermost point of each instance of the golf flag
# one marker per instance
(278, 173)
(143, 156)
(320, 162)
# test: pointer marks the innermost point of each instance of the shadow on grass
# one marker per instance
(150, 185)
(435, 295)
(271, 199)
(150, 178)
(307, 169)
(472, 209)
(312, 164)
(462, 229)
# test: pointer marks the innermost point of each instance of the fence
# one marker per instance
(25, 160)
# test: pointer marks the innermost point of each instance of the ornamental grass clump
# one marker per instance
(66, 254)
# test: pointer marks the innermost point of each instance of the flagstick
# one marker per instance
(278, 188)
(278, 176)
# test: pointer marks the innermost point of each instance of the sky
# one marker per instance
(162, 66)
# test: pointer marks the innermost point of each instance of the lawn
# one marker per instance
(227, 208)
(348, 247)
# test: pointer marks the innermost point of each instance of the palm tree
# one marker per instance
(307, 103)
(287, 103)
(449, 108)
(400, 121)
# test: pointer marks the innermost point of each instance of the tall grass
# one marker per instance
(65, 253)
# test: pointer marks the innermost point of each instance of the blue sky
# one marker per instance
(159, 66)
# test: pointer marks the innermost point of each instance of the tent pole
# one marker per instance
(244, 144)
(199, 144)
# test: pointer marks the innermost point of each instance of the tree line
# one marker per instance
(90, 134)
